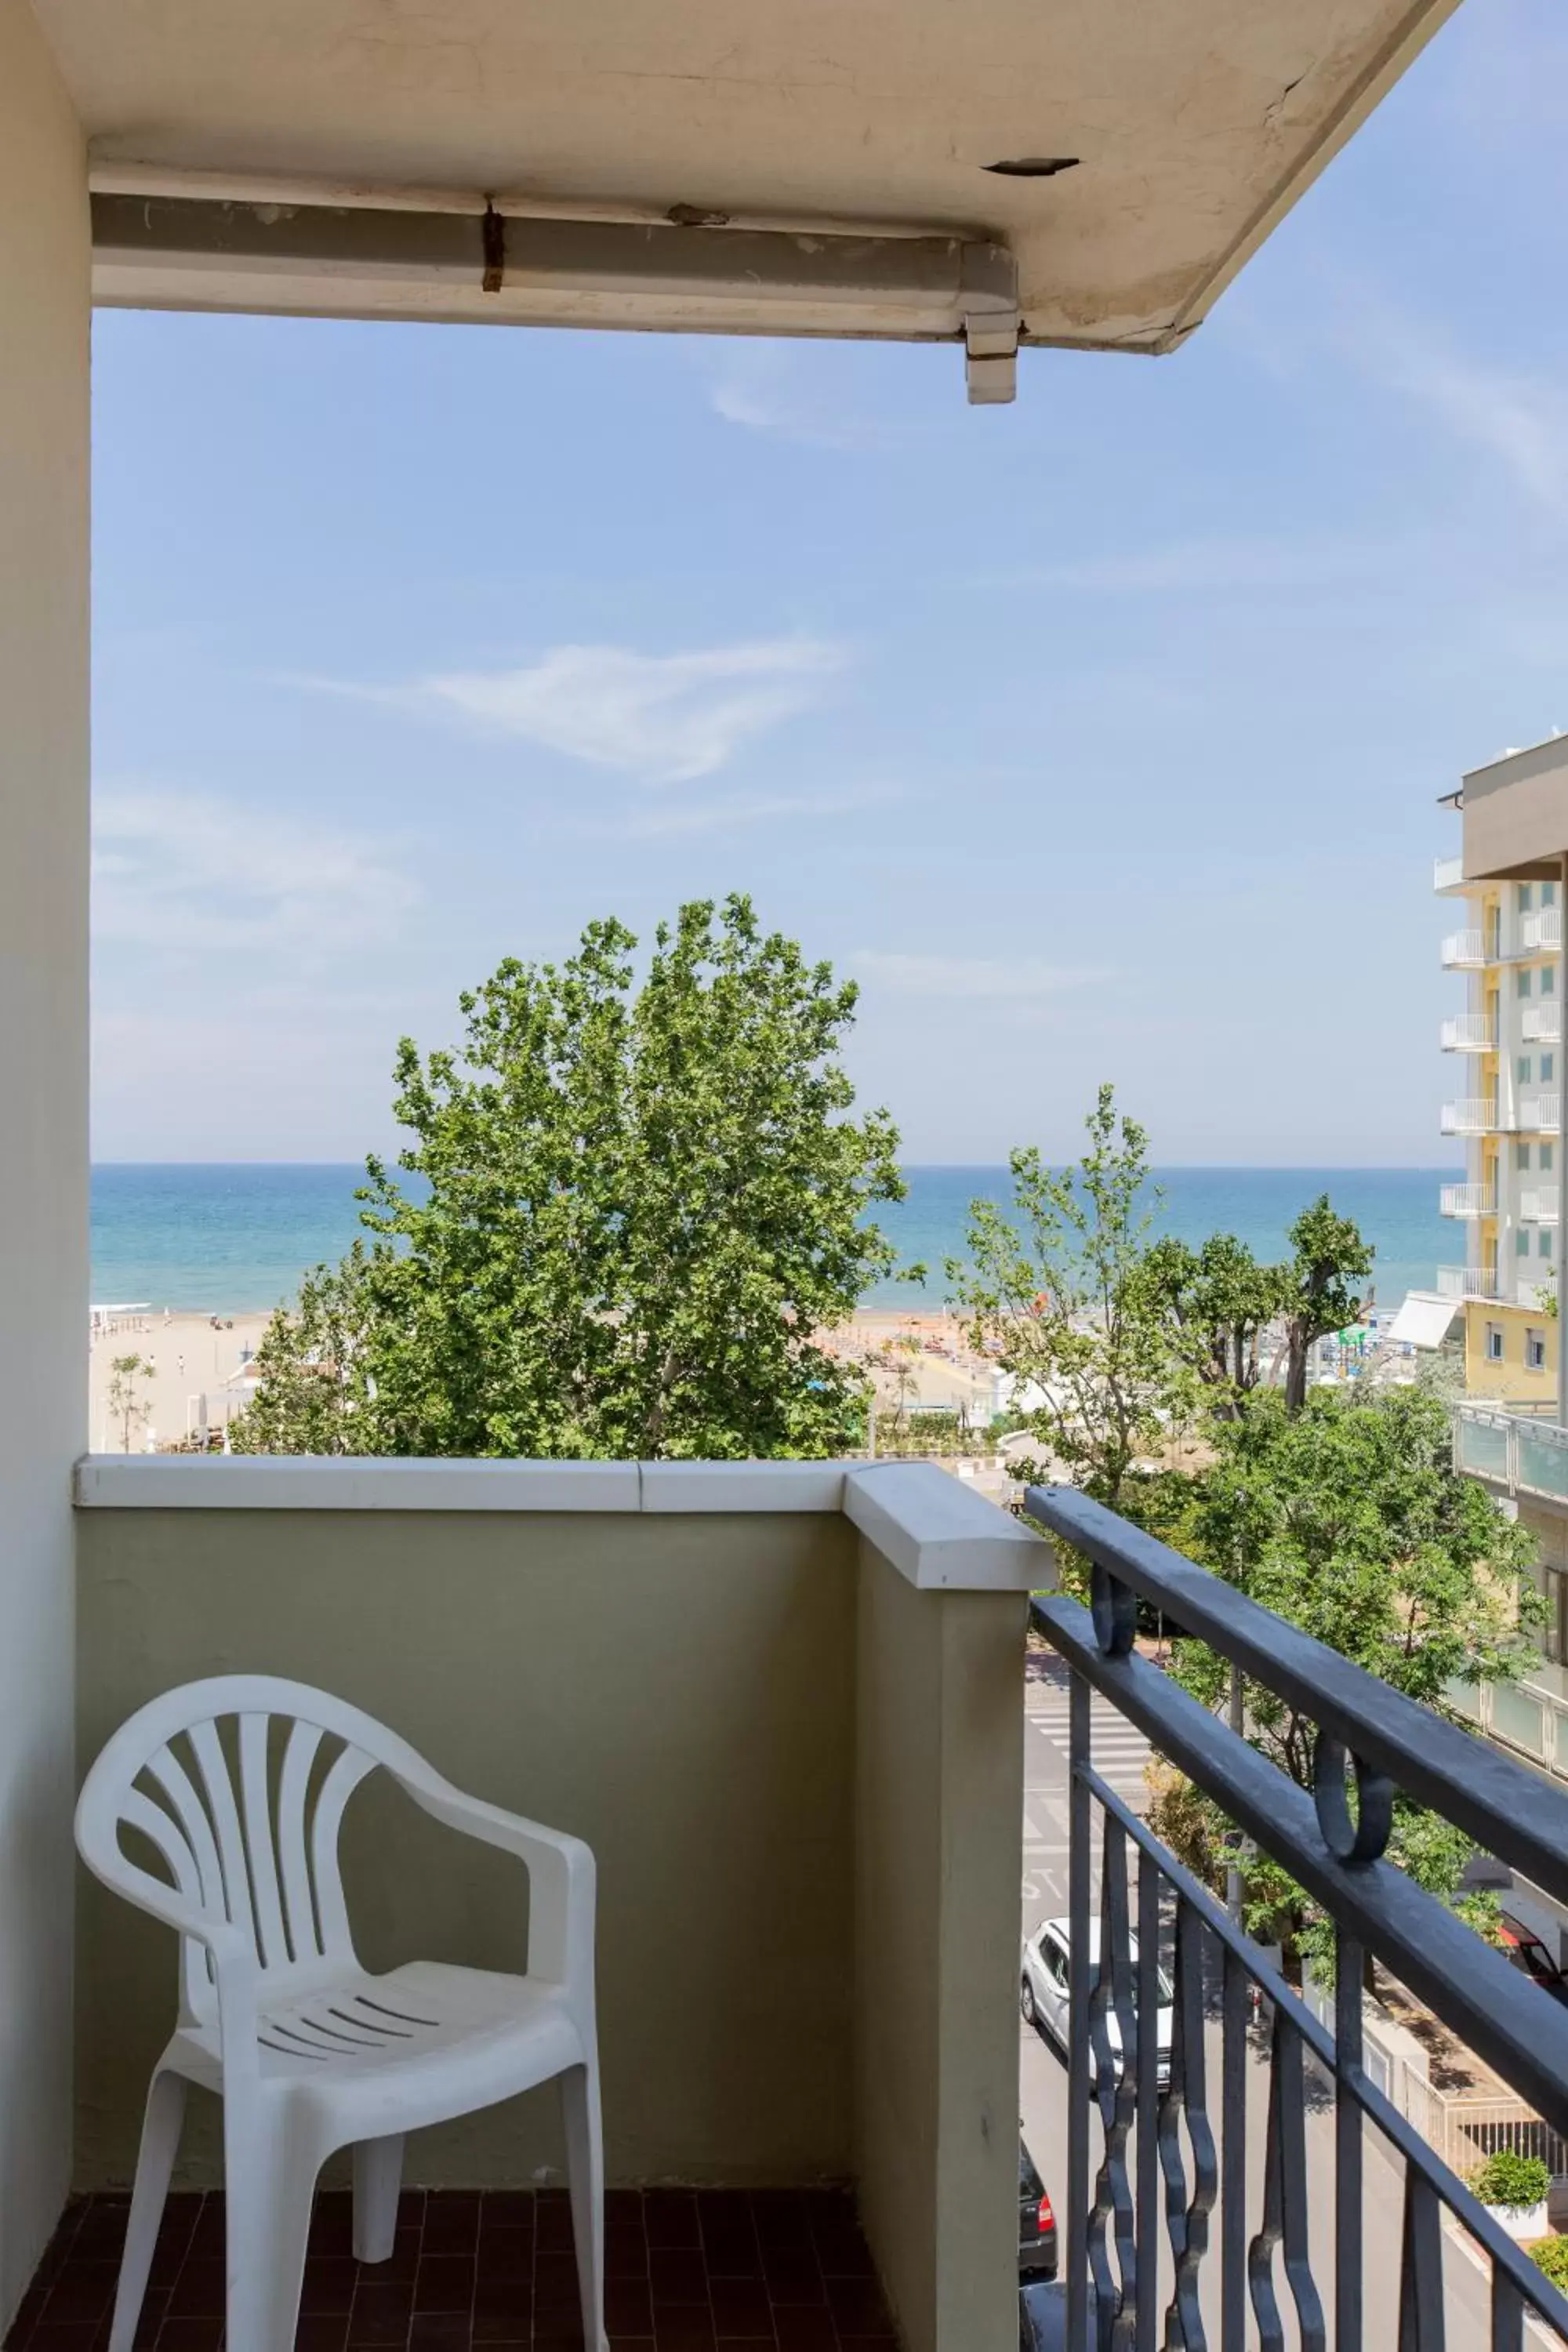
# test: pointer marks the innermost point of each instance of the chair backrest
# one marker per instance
(239, 1784)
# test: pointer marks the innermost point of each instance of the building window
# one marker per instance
(1521, 1240)
(1549, 980)
(1544, 1162)
(1494, 1343)
(1544, 1244)
(1548, 1069)
(1549, 894)
(1535, 1351)
(1522, 1068)
(1524, 897)
(1522, 1158)
(1522, 982)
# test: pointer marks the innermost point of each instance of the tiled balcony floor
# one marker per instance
(687, 2272)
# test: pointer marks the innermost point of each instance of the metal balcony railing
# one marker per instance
(1539, 1113)
(1542, 929)
(1469, 1033)
(1447, 873)
(1468, 1201)
(1462, 949)
(1466, 1282)
(1172, 2185)
(1539, 1206)
(1473, 1115)
(1541, 1024)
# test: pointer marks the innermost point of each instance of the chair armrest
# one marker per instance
(560, 1875)
(233, 1954)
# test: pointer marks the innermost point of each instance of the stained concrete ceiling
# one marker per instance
(1183, 128)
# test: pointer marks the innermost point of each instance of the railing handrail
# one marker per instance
(1509, 1811)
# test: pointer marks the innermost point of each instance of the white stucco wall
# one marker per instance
(44, 261)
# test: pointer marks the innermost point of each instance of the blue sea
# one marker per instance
(234, 1239)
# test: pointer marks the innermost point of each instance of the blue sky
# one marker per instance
(1097, 736)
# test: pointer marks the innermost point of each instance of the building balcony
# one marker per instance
(1447, 873)
(784, 1704)
(1469, 1033)
(1467, 1282)
(1542, 930)
(1468, 1201)
(1539, 1205)
(1472, 1115)
(1462, 951)
(1541, 1024)
(1538, 1114)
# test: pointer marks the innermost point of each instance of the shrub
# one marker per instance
(1550, 2256)
(1509, 2178)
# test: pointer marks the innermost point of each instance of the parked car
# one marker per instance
(1044, 1983)
(1036, 2222)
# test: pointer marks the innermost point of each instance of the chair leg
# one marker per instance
(270, 2181)
(160, 2141)
(378, 2177)
(585, 2178)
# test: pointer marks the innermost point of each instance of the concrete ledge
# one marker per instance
(742, 1485)
(936, 1531)
(941, 1534)
(260, 1482)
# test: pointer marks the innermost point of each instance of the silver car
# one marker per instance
(1043, 1992)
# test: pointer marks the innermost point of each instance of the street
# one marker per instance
(1120, 1754)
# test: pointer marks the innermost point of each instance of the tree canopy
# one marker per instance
(630, 1209)
(1059, 1289)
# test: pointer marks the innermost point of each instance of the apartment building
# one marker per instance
(1507, 888)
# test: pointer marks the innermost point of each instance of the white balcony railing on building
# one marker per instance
(1539, 1113)
(1473, 1115)
(1462, 948)
(1447, 873)
(1540, 1206)
(1468, 1201)
(1466, 1282)
(1541, 1024)
(1542, 929)
(1469, 1033)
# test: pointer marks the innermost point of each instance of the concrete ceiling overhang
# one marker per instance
(1179, 133)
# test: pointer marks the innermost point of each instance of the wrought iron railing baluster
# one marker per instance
(1187, 2217)
(1116, 2064)
(1421, 2319)
(1078, 2235)
(1148, 2068)
(1349, 2282)
(1236, 2000)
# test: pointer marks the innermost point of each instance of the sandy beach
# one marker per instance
(190, 1360)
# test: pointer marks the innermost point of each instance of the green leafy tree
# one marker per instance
(1329, 1257)
(1220, 1300)
(633, 1208)
(1350, 1520)
(1059, 1289)
(126, 1404)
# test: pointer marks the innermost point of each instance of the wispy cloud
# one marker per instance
(972, 978)
(1217, 566)
(798, 396)
(188, 872)
(1516, 416)
(1521, 420)
(745, 809)
(664, 718)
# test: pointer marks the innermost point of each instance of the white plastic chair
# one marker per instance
(308, 2051)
